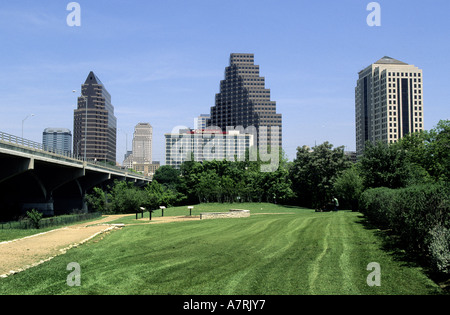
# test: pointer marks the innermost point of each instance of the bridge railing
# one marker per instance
(20, 141)
(24, 145)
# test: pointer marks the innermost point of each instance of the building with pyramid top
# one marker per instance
(244, 101)
(95, 126)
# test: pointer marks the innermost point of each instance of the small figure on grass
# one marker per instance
(336, 203)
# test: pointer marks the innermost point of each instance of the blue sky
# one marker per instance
(162, 61)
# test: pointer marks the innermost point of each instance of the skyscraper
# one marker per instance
(101, 132)
(388, 102)
(140, 159)
(142, 143)
(201, 122)
(244, 101)
(58, 140)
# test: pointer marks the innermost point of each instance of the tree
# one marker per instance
(161, 195)
(124, 197)
(168, 176)
(97, 200)
(439, 142)
(428, 153)
(190, 172)
(385, 165)
(313, 173)
(253, 189)
(207, 187)
(230, 181)
(348, 187)
(278, 184)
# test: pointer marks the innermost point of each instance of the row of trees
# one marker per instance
(418, 158)
(125, 197)
(226, 181)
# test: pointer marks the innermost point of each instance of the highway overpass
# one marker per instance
(31, 177)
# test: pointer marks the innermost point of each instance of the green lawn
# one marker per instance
(297, 252)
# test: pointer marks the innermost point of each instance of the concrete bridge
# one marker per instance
(53, 183)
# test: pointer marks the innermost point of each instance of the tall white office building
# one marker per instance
(142, 143)
(388, 102)
(201, 122)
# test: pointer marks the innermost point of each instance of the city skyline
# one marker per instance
(163, 61)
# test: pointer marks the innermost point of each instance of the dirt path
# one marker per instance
(24, 253)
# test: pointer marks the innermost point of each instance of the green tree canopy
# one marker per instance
(314, 171)
(430, 150)
(168, 176)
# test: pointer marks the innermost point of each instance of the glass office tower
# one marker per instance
(58, 140)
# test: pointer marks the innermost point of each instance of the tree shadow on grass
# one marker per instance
(391, 243)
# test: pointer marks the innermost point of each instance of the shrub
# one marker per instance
(417, 211)
(419, 215)
(439, 249)
(97, 201)
(35, 218)
(377, 205)
(124, 197)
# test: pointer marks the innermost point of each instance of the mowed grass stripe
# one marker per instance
(284, 247)
(338, 273)
(316, 264)
(345, 264)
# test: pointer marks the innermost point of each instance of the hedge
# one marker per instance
(418, 215)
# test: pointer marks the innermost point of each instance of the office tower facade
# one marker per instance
(58, 140)
(388, 102)
(98, 130)
(244, 101)
(142, 143)
(140, 159)
(206, 145)
(201, 122)
(128, 159)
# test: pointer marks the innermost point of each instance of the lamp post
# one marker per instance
(107, 152)
(78, 148)
(85, 124)
(23, 121)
